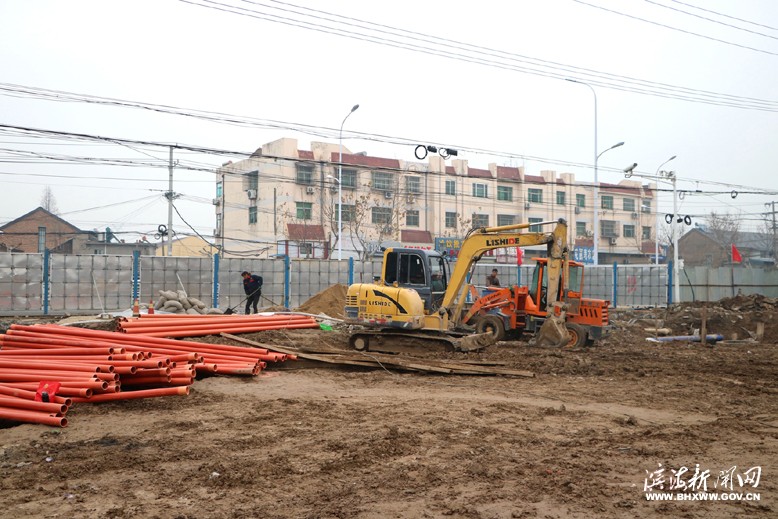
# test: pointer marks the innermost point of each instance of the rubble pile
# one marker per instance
(735, 318)
(180, 303)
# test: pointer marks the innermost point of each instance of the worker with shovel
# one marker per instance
(252, 285)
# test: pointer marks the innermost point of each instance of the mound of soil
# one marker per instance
(329, 302)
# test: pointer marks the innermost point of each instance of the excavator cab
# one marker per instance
(425, 271)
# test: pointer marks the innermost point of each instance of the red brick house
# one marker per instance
(39, 230)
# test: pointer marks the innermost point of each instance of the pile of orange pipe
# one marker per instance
(185, 325)
(98, 366)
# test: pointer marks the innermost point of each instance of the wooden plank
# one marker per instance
(370, 359)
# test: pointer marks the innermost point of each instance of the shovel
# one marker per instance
(231, 311)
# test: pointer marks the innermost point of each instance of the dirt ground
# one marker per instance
(308, 441)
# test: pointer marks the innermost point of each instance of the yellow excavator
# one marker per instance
(419, 301)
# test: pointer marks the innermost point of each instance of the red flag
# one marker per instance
(736, 257)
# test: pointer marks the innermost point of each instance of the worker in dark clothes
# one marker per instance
(252, 285)
(493, 280)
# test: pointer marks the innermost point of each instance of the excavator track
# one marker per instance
(398, 341)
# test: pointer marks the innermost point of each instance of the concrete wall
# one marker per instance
(87, 284)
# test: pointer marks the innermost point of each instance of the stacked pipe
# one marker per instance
(185, 325)
(97, 366)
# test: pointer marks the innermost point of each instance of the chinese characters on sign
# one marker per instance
(684, 483)
(584, 254)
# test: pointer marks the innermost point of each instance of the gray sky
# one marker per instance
(500, 95)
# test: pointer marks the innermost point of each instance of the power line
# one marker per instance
(677, 29)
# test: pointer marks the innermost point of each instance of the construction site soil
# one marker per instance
(583, 438)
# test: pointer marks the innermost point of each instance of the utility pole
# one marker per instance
(169, 196)
(772, 204)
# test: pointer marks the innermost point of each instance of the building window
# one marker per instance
(506, 219)
(629, 231)
(347, 213)
(609, 228)
(413, 185)
(451, 220)
(304, 174)
(219, 189)
(412, 218)
(645, 205)
(41, 239)
(451, 187)
(381, 215)
(580, 200)
(253, 179)
(480, 220)
(629, 205)
(646, 233)
(348, 178)
(560, 198)
(253, 214)
(306, 249)
(479, 190)
(606, 202)
(383, 181)
(535, 195)
(505, 193)
(535, 228)
(304, 210)
(580, 228)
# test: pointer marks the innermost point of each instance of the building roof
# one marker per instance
(414, 236)
(743, 241)
(479, 173)
(303, 232)
(617, 188)
(507, 173)
(366, 161)
(534, 179)
(72, 227)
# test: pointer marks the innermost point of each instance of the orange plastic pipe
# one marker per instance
(199, 332)
(146, 381)
(32, 405)
(135, 340)
(37, 376)
(45, 366)
(61, 392)
(26, 416)
(67, 351)
(133, 326)
(141, 393)
(30, 395)
(125, 370)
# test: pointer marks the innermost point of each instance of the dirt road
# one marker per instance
(582, 439)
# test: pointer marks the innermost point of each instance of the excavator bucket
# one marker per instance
(553, 333)
(474, 342)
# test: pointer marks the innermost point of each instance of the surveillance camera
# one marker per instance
(628, 170)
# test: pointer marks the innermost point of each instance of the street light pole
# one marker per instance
(676, 284)
(597, 203)
(340, 183)
(656, 210)
(596, 252)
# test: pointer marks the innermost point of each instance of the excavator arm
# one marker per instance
(488, 238)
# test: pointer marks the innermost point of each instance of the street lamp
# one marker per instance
(656, 201)
(596, 252)
(597, 204)
(676, 284)
(340, 184)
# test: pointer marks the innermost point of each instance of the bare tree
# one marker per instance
(355, 219)
(48, 202)
(724, 228)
